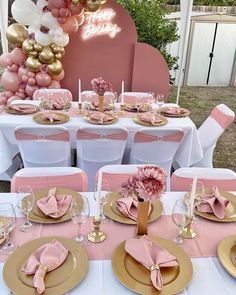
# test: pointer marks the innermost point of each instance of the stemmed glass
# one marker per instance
(138, 104)
(160, 99)
(180, 218)
(26, 202)
(79, 213)
(151, 99)
(105, 189)
(7, 224)
(113, 100)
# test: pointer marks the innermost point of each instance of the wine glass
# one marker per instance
(7, 224)
(105, 189)
(113, 100)
(180, 218)
(160, 99)
(79, 213)
(138, 104)
(151, 99)
(26, 202)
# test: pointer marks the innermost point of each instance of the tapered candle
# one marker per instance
(79, 90)
(192, 195)
(122, 92)
(98, 196)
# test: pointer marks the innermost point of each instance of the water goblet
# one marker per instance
(79, 213)
(160, 100)
(199, 194)
(180, 218)
(7, 224)
(26, 202)
(138, 104)
(105, 189)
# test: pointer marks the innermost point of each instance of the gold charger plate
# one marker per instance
(46, 106)
(184, 114)
(230, 210)
(224, 254)
(38, 118)
(141, 122)
(137, 278)
(112, 121)
(132, 108)
(58, 281)
(37, 215)
(9, 110)
(112, 212)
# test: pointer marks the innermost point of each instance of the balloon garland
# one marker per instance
(35, 61)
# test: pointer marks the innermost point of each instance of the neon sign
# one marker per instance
(100, 23)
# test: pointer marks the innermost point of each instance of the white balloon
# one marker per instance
(61, 41)
(43, 39)
(49, 20)
(24, 11)
(41, 4)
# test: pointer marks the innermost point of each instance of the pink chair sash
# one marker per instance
(223, 119)
(179, 183)
(84, 135)
(142, 137)
(77, 182)
(115, 179)
(62, 136)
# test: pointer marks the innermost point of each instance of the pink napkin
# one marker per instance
(173, 111)
(128, 207)
(57, 105)
(152, 256)
(54, 205)
(214, 203)
(23, 108)
(150, 118)
(46, 258)
(100, 117)
(51, 117)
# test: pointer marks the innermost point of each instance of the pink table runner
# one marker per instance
(209, 234)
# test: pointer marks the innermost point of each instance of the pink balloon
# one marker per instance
(55, 12)
(10, 81)
(64, 12)
(59, 77)
(31, 81)
(30, 89)
(57, 3)
(25, 78)
(71, 25)
(22, 95)
(43, 79)
(17, 56)
(22, 71)
(8, 94)
(61, 20)
(3, 99)
(14, 68)
(5, 60)
(31, 74)
(76, 9)
(54, 84)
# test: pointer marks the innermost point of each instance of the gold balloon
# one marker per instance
(38, 47)
(53, 45)
(92, 5)
(27, 47)
(33, 64)
(58, 55)
(63, 51)
(46, 55)
(103, 1)
(16, 34)
(75, 1)
(32, 41)
(55, 68)
(33, 53)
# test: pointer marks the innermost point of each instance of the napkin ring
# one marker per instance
(43, 267)
(154, 267)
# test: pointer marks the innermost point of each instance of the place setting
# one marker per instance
(21, 109)
(150, 119)
(174, 112)
(51, 118)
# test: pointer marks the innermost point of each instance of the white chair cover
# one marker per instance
(131, 97)
(98, 150)
(156, 146)
(44, 146)
(55, 93)
(93, 96)
(210, 131)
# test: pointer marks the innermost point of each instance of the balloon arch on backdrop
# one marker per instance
(35, 61)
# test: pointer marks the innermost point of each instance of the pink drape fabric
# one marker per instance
(152, 256)
(62, 136)
(54, 205)
(77, 182)
(45, 259)
(179, 183)
(143, 137)
(84, 135)
(223, 119)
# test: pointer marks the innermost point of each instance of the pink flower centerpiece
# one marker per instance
(148, 184)
(101, 86)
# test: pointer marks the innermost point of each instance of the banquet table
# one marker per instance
(209, 277)
(189, 152)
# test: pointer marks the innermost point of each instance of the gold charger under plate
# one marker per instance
(132, 108)
(141, 122)
(46, 106)
(137, 278)
(39, 118)
(9, 110)
(224, 254)
(58, 281)
(38, 216)
(230, 210)
(92, 121)
(184, 114)
(112, 212)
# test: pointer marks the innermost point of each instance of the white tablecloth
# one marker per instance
(209, 277)
(189, 152)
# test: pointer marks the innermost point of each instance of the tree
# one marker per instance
(152, 25)
(208, 2)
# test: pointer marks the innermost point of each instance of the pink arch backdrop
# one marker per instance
(141, 66)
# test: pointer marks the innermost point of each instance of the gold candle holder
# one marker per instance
(96, 236)
(188, 232)
(80, 108)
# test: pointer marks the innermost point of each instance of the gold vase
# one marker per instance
(142, 221)
(101, 103)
